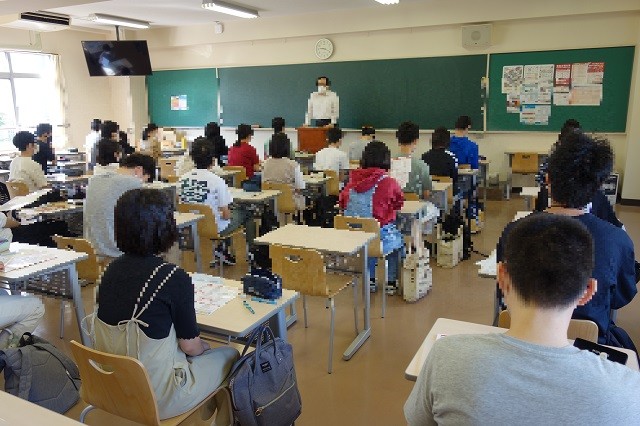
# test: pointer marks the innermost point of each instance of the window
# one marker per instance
(30, 95)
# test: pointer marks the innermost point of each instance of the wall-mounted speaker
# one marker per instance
(476, 35)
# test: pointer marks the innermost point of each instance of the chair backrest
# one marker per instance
(333, 184)
(116, 384)
(207, 226)
(354, 164)
(167, 167)
(286, 204)
(524, 162)
(446, 179)
(464, 166)
(583, 329)
(411, 196)
(240, 177)
(362, 224)
(171, 178)
(88, 269)
(302, 270)
(17, 188)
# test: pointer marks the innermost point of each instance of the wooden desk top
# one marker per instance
(327, 240)
(315, 180)
(304, 155)
(412, 207)
(450, 327)
(62, 258)
(62, 178)
(440, 186)
(185, 219)
(542, 153)
(225, 173)
(233, 319)
(19, 412)
(242, 196)
(468, 171)
(530, 191)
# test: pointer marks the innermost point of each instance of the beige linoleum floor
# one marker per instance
(370, 389)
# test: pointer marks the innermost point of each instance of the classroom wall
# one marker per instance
(263, 43)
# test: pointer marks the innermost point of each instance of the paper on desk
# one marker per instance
(22, 200)
(24, 258)
(488, 265)
(400, 169)
(211, 294)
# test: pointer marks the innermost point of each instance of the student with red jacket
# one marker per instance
(371, 192)
(242, 153)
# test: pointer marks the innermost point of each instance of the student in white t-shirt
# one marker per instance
(23, 168)
(201, 185)
(332, 157)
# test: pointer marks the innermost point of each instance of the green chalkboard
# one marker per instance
(610, 116)
(429, 91)
(199, 85)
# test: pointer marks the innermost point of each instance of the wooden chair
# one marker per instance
(304, 270)
(172, 178)
(464, 166)
(354, 164)
(208, 234)
(411, 196)
(446, 179)
(374, 249)
(167, 167)
(524, 166)
(239, 177)
(333, 184)
(584, 329)
(120, 386)
(286, 203)
(17, 188)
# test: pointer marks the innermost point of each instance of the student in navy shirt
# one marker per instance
(575, 171)
(441, 161)
(465, 150)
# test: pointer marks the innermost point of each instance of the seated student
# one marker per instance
(440, 160)
(212, 133)
(107, 157)
(103, 191)
(125, 146)
(147, 308)
(356, 147)
(242, 153)
(91, 142)
(531, 374)
(371, 192)
(201, 185)
(151, 144)
(22, 167)
(278, 168)
(332, 157)
(44, 152)
(278, 128)
(464, 149)
(419, 179)
(575, 169)
(109, 130)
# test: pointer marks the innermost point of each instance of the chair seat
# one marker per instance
(336, 283)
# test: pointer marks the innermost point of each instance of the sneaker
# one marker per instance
(373, 287)
(391, 288)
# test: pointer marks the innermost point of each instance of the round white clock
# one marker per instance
(324, 48)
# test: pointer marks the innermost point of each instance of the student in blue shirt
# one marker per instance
(465, 150)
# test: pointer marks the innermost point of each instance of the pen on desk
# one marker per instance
(246, 305)
(261, 300)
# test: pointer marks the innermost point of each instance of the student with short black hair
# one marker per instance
(91, 141)
(150, 141)
(279, 168)
(367, 134)
(109, 130)
(371, 192)
(440, 160)
(419, 178)
(278, 128)
(147, 308)
(44, 151)
(125, 146)
(531, 374)
(575, 172)
(22, 167)
(464, 149)
(107, 156)
(201, 185)
(212, 133)
(242, 153)
(332, 157)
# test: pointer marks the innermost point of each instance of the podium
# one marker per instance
(312, 139)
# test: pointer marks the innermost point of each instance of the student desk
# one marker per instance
(184, 220)
(5, 161)
(19, 412)
(171, 152)
(484, 177)
(269, 196)
(541, 156)
(529, 193)
(4, 175)
(65, 154)
(449, 327)
(62, 260)
(439, 195)
(305, 160)
(316, 181)
(61, 165)
(330, 241)
(229, 176)
(61, 178)
(234, 320)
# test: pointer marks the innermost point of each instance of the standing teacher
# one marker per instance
(323, 106)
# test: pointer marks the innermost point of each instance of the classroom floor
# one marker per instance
(370, 389)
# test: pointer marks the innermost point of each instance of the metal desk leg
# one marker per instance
(196, 246)
(278, 323)
(508, 184)
(77, 303)
(485, 182)
(366, 332)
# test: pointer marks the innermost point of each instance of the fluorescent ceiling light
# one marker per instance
(388, 1)
(101, 18)
(229, 9)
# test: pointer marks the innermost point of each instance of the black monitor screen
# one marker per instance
(117, 58)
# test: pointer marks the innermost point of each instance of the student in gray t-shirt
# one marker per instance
(530, 374)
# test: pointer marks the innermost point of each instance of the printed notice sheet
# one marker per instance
(211, 294)
(400, 169)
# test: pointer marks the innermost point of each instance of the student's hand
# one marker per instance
(327, 126)
(205, 345)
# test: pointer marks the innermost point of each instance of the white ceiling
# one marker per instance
(177, 12)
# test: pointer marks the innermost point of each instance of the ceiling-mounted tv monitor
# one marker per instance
(117, 58)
